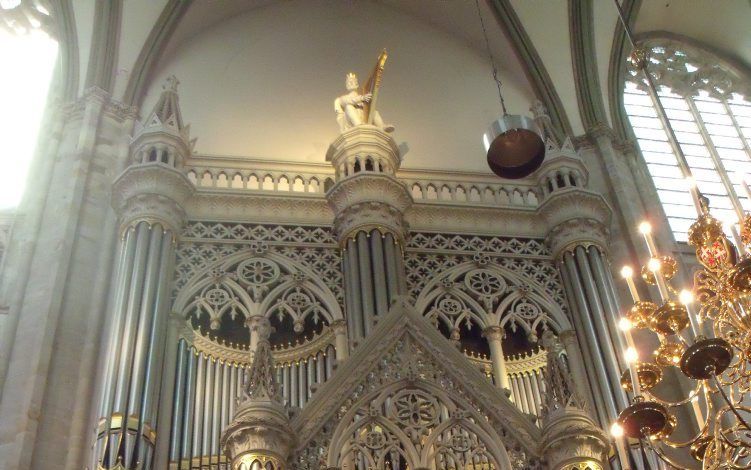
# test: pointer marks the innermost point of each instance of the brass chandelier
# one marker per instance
(704, 332)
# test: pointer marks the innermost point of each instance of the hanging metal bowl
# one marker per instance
(515, 146)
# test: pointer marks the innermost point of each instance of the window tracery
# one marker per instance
(707, 102)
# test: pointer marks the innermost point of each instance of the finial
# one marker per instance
(171, 83)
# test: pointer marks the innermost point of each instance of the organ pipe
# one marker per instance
(379, 273)
(135, 349)
(366, 281)
(373, 278)
(205, 392)
(590, 341)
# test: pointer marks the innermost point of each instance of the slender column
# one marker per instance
(226, 395)
(340, 340)
(515, 392)
(494, 334)
(349, 301)
(529, 394)
(216, 425)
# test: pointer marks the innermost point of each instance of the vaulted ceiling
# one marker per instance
(258, 77)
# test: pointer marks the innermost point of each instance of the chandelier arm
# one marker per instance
(661, 455)
(672, 404)
(730, 404)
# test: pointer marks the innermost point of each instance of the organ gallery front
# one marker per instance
(351, 315)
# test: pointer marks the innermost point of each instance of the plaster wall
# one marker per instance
(263, 83)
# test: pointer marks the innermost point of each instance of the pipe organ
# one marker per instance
(260, 288)
(525, 373)
(208, 381)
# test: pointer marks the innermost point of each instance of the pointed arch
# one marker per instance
(491, 306)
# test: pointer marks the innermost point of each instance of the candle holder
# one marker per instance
(706, 358)
(643, 419)
(718, 365)
(648, 374)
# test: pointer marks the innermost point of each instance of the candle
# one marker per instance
(686, 297)
(655, 265)
(616, 430)
(694, 191)
(625, 326)
(698, 414)
(632, 358)
(745, 186)
(646, 229)
(627, 274)
(738, 240)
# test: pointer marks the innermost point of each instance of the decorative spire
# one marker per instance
(167, 110)
(261, 384)
(259, 435)
(561, 391)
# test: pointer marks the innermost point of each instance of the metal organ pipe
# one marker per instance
(205, 393)
(207, 399)
(379, 272)
(354, 276)
(366, 282)
(330, 358)
(311, 368)
(595, 355)
(178, 402)
(583, 352)
(135, 348)
(390, 251)
(320, 367)
(603, 335)
(294, 400)
(302, 374)
(349, 300)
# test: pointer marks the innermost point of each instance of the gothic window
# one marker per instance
(27, 58)
(709, 106)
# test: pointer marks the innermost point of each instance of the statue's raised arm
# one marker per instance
(357, 106)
